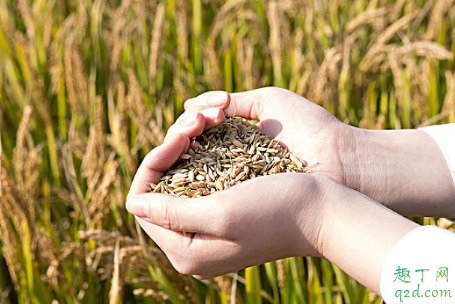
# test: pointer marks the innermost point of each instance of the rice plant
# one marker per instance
(87, 88)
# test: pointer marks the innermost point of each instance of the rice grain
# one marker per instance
(224, 156)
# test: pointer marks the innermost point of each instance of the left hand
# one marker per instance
(261, 220)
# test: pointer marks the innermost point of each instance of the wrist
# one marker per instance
(358, 233)
(312, 211)
(352, 143)
(335, 200)
(403, 169)
(364, 161)
(318, 219)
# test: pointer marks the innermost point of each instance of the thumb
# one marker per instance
(199, 215)
(157, 161)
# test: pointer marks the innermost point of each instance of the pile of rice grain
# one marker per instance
(226, 155)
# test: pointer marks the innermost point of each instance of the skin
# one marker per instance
(293, 214)
(404, 170)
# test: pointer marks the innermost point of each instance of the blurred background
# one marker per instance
(87, 88)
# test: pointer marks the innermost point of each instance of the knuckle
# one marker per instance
(204, 95)
(182, 267)
(269, 90)
(272, 91)
(223, 219)
(188, 103)
(204, 276)
(166, 216)
(180, 118)
(150, 155)
(195, 100)
(163, 215)
(173, 129)
(185, 266)
(188, 112)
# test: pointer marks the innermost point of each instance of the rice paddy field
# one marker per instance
(88, 87)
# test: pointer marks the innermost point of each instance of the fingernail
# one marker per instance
(217, 99)
(210, 112)
(138, 206)
(188, 121)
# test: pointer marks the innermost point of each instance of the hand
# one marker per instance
(403, 169)
(260, 220)
(264, 219)
(303, 127)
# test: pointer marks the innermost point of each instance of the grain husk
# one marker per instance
(224, 156)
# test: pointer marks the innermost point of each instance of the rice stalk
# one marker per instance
(105, 79)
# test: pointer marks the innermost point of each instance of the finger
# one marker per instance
(163, 237)
(217, 99)
(168, 240)
(248, 104)
(157, 161)
(206, 118)
(191, 124)
(213, 117)
(201, 215)
(191, 253)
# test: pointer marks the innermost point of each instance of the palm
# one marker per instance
(305, 128)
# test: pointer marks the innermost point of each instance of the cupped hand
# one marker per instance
(264, 219)
(385, 165)
(306, 129)
(261, 220)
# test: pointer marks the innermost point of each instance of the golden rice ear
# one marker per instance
(88, 87)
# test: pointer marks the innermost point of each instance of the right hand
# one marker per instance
(403, 169)
(306, 129)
